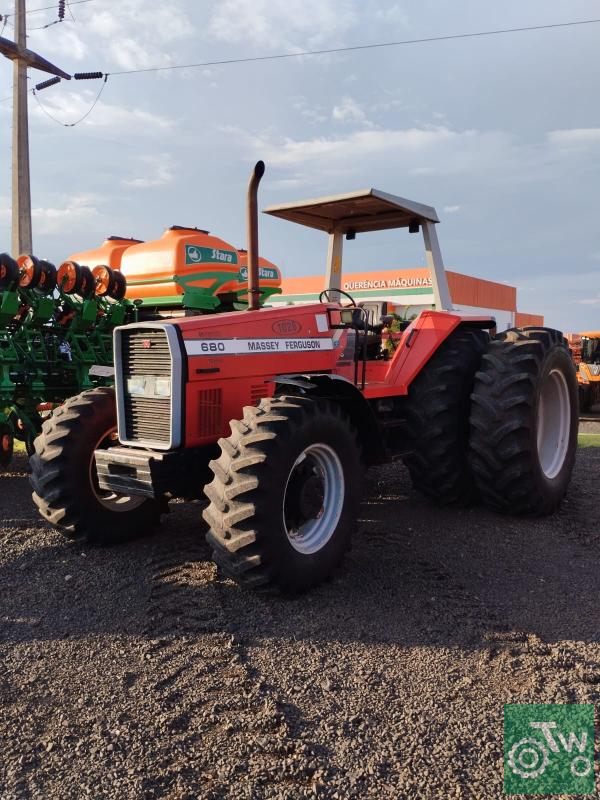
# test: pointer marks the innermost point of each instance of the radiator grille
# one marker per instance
(145, 353)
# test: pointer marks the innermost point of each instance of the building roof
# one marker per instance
(359, 212)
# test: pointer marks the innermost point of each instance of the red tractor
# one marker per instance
(275, 413)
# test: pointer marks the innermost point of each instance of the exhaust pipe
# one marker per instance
(252, 234)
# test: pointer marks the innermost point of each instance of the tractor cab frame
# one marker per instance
(346, 215)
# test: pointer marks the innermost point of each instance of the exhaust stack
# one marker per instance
(252, 234)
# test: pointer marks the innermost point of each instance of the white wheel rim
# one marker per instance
(554, 423)
(317, 471)
(111, 500)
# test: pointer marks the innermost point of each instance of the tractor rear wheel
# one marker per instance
(285, 495)
(524, 421)
(64, 478)
(437, 413)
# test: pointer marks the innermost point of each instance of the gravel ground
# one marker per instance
(134, 672)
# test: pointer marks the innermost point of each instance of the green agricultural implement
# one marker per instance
(55, 339)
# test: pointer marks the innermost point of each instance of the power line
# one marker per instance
(47, 8)
(279, 56)
(55, 5)
(71, 124)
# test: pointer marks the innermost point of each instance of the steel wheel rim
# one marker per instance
(554, 423)
(112, 501)
(317, 470)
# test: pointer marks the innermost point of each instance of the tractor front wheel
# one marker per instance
(285, 494)
(64, 478)
(524, 419)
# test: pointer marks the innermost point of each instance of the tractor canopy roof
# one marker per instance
(355, 212)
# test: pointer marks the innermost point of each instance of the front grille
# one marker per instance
(145, 353)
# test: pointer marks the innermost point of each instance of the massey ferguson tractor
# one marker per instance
(275, 413)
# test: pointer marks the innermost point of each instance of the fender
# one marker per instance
(344, 392)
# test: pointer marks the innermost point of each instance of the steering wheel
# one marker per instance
(324, 296)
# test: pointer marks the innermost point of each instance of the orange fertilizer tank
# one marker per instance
(185, 268)
(109, 253)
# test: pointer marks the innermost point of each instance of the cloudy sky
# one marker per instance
(501, 134)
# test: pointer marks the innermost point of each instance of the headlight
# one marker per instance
(162, 387)
(136, 385)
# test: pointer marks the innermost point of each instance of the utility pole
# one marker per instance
(21, 186)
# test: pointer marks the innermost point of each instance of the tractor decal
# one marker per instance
(200, 347)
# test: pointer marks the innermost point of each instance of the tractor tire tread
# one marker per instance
(50, 463)
(502, 407)
(437, 415)
(232, 512)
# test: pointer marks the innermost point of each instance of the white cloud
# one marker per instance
(69, 107)
(420, 150)
(589, 301)
(451, 209)
(422, 171)
(62, 47)
(313, 113)
(282, 24)
(348, 110)
(63, 218)
(136, 34)
(125, 34)
(158, 170)
(575, 137)
(386, 143)
(393, 15)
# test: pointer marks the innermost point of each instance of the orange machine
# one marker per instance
(585, 349)
(186, 268)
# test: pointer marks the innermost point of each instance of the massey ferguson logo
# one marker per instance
(146, 344)
(286, 326)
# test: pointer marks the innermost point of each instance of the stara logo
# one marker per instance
(194, 254)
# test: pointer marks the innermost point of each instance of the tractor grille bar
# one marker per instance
(145, 386)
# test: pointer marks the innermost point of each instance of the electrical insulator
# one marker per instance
(46, 84)
(61, 9)
(87, 76)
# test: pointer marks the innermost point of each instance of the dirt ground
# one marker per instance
(134, 672)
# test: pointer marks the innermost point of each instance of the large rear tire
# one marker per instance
(285, 495)
(524, 422)
(437, 413)
(63, 474)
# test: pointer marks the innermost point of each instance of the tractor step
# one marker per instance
(127, 471)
